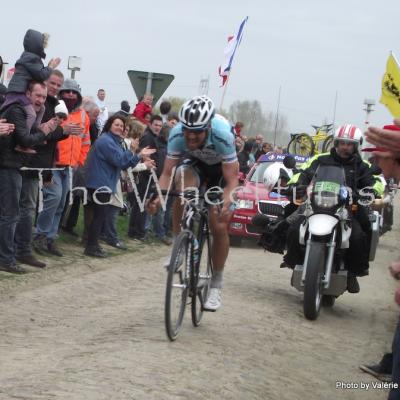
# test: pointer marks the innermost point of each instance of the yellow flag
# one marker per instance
(391, 86)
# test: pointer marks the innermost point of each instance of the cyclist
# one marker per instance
(202, 149)
(358, 175)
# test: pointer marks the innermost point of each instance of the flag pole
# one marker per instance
(224, 92)
(395, 59)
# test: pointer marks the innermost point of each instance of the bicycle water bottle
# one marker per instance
(195, 251)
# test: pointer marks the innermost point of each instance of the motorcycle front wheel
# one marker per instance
(313, 281)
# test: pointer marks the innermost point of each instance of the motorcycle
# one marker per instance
(325, 233)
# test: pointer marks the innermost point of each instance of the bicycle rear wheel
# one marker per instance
(201, 276)
(178, 282)
(302, 145)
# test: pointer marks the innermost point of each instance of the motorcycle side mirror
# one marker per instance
(289, 162)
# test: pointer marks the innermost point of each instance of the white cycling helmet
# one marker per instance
(273, 173)
(197, 112)
(348, 133)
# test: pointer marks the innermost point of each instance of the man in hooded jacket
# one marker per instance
(71, 153)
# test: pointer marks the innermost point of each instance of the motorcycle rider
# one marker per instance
(358, 175)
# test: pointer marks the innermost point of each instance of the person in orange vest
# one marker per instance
(71, 154)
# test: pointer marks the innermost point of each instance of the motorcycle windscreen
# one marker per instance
(329, 186)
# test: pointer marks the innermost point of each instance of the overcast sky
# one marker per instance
(310, 48)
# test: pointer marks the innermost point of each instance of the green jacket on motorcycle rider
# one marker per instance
(360, 181)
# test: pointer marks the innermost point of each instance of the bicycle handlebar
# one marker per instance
(326, 127)
(191, 194)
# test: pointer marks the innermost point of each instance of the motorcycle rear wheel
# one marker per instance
(328, 301)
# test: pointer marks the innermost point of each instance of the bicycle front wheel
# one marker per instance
(302, 145)
(201, 276)
(178, 282)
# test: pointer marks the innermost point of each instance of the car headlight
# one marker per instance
(245, 204)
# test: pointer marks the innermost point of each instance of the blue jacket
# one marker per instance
(105, 161)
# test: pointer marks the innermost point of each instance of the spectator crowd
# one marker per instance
(63, 153)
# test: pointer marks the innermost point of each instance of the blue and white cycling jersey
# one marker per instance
(220, 139)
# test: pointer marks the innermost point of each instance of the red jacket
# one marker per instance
(141, 110)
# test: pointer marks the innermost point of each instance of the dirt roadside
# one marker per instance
(93, 329)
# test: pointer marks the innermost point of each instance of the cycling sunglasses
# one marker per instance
(195, 131)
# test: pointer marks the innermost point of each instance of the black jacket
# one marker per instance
(9, 158)
(46, 151)
(358, 172)
(243, 158)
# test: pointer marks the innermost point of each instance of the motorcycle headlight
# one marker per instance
(245, 204)
(325, 201)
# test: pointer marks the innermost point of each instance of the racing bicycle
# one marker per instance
(308, 145)
(190, 268)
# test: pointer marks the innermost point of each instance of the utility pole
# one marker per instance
(368, 103)
(204, 86)
(277, 115)
(334, 112)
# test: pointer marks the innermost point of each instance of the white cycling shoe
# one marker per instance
(214, 300)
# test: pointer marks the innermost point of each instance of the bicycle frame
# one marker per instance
(195, 210)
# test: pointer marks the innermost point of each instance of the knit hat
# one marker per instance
(125, 106)
(61, 109)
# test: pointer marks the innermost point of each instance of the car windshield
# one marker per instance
(258, 173)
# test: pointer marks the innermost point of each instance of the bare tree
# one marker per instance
(256, 121)
(251, 114)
